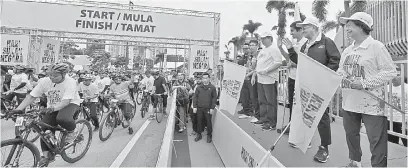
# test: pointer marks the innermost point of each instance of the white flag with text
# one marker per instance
(315, 86)
(232, 82)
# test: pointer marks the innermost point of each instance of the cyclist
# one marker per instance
(120, 90)
(159, 87)
(18, 85)
(62, 102)
(89, 91)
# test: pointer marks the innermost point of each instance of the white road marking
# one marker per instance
(121, 157)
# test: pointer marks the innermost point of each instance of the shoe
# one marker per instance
(322, 155)
(295, 146)
(241, 111)
(280, 130)
(180, 130)
(254, 120)
(268, 127)
(354, 164)
(151, 117)
(259, 123)
(44, 161)
(209, 138)
(70, 137)
(199, 137)
(243, 116)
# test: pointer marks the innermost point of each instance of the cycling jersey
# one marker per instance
(121, 91)
(89, 91)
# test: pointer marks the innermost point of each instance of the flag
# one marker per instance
(315, 86)
(131, 5)
(232, 82)
(297, 12)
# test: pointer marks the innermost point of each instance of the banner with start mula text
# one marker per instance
(201, 58)
(49, 51)
(315, 86)
(14, 49)
(232, 82)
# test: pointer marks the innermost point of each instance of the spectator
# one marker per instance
(322, 49)
(205, 97)
(365, 65)
(268, 61)
(298, 41)
(253, 89)
(397, 116)
(183, 89)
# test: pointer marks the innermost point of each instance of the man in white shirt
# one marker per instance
(18, 84)
(298, 41)
(103, 85)
(268, 62)
(147, 82)
(89, 92)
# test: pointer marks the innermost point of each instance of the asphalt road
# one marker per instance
(144, 148)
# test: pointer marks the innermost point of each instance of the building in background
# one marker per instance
(390, 25)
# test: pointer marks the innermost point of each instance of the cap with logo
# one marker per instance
(360, 16)
(266, 34)
(309, 21)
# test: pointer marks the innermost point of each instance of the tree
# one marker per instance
(100, 62)
(121, 62)
(320, 12)
(251, 27)
(280, 6)
(238, 41)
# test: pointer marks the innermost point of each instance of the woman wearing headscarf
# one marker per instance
(365, 65)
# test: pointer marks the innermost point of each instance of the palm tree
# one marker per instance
(251, 27)
(281, 6)
(320, 12)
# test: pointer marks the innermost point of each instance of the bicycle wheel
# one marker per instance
(32, 136)
(143, 111)
(109, 121)
(139, 98)
(78, 141)
(15, 143)
(159, 112)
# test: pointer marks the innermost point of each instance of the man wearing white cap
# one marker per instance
(365, 65)
(268, 61)
(322, 49)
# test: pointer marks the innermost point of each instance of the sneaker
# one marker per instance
(199, 136)
(254, 120)
(243, 116)
(44, 161)
(354, 164)
(259, 123)
(180, 130)
(268, 127)
(295, 146)
(151, 117)
(322, 155)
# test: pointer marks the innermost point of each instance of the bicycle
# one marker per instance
(86, 112)
(160, 109)
(29, 121)
(145, 103)
(139, 96)
(114, 118)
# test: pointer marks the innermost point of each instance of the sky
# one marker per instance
(236, 13)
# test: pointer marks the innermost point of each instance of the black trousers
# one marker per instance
(203, 115)
(324, 129)
(245, 97)
(377, 136)
(64, 118)
(291, 93)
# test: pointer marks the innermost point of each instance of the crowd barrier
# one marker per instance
(166, 149)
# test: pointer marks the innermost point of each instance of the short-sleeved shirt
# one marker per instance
(158, 84)
(102, 83)
(121, 91)
(16, 80)
(148, 83)
(266, 58)
(89, 91)
(56, 92)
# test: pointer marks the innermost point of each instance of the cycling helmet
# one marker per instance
(59, 67)
(19, 67)
(88, 76)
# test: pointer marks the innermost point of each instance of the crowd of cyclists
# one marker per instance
(59, 91)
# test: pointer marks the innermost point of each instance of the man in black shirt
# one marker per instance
(160, 87)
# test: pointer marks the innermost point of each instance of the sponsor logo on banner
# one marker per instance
(312, 99)
(201, 58)
(232, 82)
(49, 51)
(123, 22)
(14, 49)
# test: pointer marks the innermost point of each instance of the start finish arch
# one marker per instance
(84, 21)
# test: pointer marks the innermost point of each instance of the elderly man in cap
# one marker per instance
(268, 62)
(322, 49)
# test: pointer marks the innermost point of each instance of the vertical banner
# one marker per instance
(201, 58)
(14, 49)
(234, 76)
(131, 57)
(315, 87)
(49, 51)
